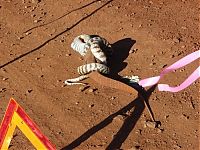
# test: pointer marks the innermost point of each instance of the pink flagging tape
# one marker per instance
(181, 63)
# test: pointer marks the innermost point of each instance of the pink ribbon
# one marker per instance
(182, 62)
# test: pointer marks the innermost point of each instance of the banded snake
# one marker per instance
(96, 57)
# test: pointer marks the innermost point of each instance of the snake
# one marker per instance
(95, 68)
(99, 47)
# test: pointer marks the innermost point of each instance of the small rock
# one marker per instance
(150, 2)
(41, 76)
(177, 146)
(183, 46)
(4, 79)
(167, 116)
(91, 90)
(27, 33)
(77, 103)
(165, 65)
(133, 50)
(176, 40)
(63, 85)
(21, 37)
(33, 15)
(135, 148)
(112, 98)
(92, 105)
(139, 131)
(3, 70)
(119, 118)
(36, 21)
(184, 28)
(151, 64)
(83, 88)
(185, 116)
(117, 7)
(44, 13)
(36, 1)
(172, 56)
(29, 91)
(2, 90)
(27, 6)
(68, 55)
(150, 124)
(159, 130)
(37, 58)
(62, 41)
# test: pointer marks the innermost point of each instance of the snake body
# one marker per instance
(96, 66)
(97, 46)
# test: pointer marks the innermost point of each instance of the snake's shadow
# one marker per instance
(121, 51)
(136, 107)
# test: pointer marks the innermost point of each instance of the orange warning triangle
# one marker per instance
(15, 116)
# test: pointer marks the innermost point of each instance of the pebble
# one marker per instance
(63, 85)
(133, 50)
(27, 33)
(172, 56)
(27, 6)
(92, 105)
(150, 2)
(151, 64)
(41, 76)
(36, 21)
(33, 15)
(68, 55)
(37, 58)
(3, 70)
(2, 90)
(184, 28)
(62, 41)
(83, 88)
(21, 37)
(117, 7)
(91, 90)
(112, 98)
(150, 124)
(159, 130)
(165, 65)
(21, 60)
(185, 116)
(36, 1)
(167, 116)
(139, 131)
(176, 40)
(183, 46)
(119, 118)
(4, 79)
(134, 148)
(29, 91)
(177, 146)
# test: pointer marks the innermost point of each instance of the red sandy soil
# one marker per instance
(34, 64)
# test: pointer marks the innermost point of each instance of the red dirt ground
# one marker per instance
(34, 64)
